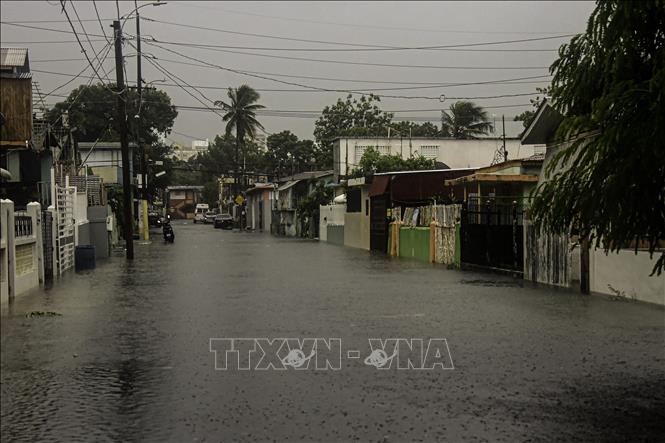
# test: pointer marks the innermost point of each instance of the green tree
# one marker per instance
(373, 161)
(92, 111)
(350, 117)
(241, 116)
(609, 182)
(527, 117)
(407, 128)
(465, 120)
(286, 154)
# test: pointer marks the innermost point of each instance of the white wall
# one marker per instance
(330, 215)
(454, 153)
(627, 273)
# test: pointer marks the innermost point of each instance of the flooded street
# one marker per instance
(128, 358)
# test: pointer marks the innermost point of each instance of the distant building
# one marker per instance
(182, 200)
(105, 160)
(200, 145)
(448, 152)
(184, 153)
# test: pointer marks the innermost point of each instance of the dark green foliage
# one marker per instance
(94, 114)
(373, 162)
(465, 120)
(286, 154)
(609, 83)
(350, 117)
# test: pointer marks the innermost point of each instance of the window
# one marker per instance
(360, 150)
(430, 152)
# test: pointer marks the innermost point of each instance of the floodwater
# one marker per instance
(128, 358)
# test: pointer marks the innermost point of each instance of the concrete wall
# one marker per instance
(6, 207)
(628, 274)
(330, 215)
(21, 257)
(454, 153)
(335, 234)
(356, 230)
(356, 224)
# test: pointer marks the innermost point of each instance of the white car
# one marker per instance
(200, 212)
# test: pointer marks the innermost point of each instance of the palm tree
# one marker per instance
(241, 116)
(465, 120)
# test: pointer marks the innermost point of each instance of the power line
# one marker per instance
(357, 45)
(46, 42)
(64, 9)
(106, 74)
(510, 80)
(94, 3)
(438, 85)
(364, 26)
(345, 62)
(293, 83)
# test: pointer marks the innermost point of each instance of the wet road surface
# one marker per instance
(128, 359)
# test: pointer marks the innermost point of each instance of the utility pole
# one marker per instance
(124, 143)
(505, 153)
(144, 177)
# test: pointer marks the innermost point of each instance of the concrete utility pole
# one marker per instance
(124, 143)
(144, 176)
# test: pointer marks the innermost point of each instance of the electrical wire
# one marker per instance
(342, 62)
(364, 25)
(509, 80)
(293, 83)
(101, 26)
(64, 10)
(357, 45)
(438, 85)
(106, 74)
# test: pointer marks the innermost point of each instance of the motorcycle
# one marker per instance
(167, 230)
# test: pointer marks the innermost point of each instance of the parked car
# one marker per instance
(200, 212)
(223, 221)
(210, 217)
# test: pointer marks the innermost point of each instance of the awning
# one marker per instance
(379, 186)
(423, 186)
(287, 185)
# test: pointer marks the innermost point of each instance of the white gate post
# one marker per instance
(6, 230)
(54, 240)
(11, 248)
(34, 210)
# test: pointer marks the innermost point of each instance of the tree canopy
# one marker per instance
(92, 111)
(609, 84)
(465, 120)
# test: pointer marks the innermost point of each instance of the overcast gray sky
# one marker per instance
(333, 25)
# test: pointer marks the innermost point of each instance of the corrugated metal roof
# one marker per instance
(13, 57)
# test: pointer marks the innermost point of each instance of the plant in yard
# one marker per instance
(609, 84)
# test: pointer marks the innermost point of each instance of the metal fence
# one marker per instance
(492, 235)
(47, 242)
(22, 224)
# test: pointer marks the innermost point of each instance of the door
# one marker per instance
(378, 228)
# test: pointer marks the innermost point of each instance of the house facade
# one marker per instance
(259, 205)
(291, 191)
(182, 200)
(105, 160)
